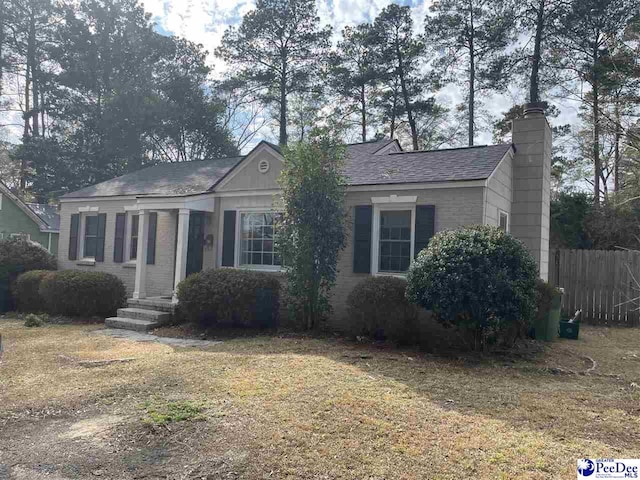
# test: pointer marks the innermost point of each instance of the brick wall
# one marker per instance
(454, 208)
(159, 276)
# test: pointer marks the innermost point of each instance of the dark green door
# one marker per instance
(196, 242)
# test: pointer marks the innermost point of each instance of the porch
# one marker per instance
(186, 243)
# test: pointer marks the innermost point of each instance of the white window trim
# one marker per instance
(83, 227)
(238, 249)
(395, 199)
(127, 237)
(88, 209)
(378, 208)
(500, 212)
(1, 203)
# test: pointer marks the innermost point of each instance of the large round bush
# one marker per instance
(479, 278)
(377, 307)
(240, 298)
(79, 293)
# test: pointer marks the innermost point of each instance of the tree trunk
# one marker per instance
(394, 108)
(472, 97)
(534, 94)
(407, 102)
(31, 52)
(595, 113)
(472, 77)
(363, 111)
(26, 128)
(618, 139)
(42, 124)
(2, 22)
(283, 104)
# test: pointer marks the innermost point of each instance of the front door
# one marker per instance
(196, 242)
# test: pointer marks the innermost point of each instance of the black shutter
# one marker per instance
(151, 244)
(118, 241)
(73, 237)
(102, 227)
(362, 239)
(229, 238)
(425, 226)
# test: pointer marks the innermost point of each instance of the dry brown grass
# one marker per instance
(310, 408)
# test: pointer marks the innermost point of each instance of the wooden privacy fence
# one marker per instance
(598, 282)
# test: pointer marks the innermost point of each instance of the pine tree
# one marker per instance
(471, 37)
(590, 30)
(279, 47)
(352, 72)
(401, 57)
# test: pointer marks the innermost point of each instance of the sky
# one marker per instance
(204, 22)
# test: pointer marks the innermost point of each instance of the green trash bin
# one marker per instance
(547, 323)
(569, 330)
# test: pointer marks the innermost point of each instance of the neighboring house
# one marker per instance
(36, 222)
(155, 226)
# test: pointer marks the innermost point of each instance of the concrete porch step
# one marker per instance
(144, 314)
(131, 324)
(154, 303)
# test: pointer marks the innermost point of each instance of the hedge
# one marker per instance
(377, 307)
(238, 298)
(24, 255)
(27, 291)
(78, 293)
(18, 256)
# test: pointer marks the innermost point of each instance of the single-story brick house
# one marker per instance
(36, 222)
(156, 226)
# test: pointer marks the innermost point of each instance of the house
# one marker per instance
(33, 221)
(154, 227)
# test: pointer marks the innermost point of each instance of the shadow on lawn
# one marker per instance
(521, 388)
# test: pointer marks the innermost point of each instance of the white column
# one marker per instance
(181, 249)
(141, 260)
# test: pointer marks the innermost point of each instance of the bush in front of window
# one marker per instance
(18, 255)
(86, 294)
(226, 297)
(27, 291)
(480, 279)
(378, 308)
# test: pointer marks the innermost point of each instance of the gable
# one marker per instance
(258, 171)
(15, 210)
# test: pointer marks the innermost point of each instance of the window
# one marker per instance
(133, 245)
(395, 241)
(23, 236)
(257, 240)
(503, 222)
(90, 236)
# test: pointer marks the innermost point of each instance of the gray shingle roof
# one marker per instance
(471, 163)
(171, 179)
(362, 167)
(48, 213)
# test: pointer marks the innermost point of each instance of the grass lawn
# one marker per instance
(303, 408)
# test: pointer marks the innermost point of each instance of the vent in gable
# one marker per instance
(263, 166)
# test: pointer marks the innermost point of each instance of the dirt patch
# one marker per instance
(93, 429)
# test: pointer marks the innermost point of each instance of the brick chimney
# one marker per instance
(531, 136)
